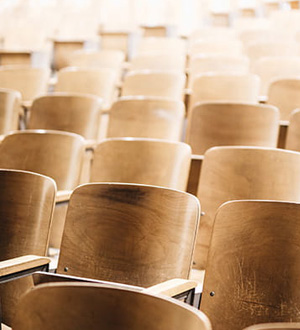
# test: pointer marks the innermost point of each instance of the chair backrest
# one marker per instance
(63, 49)
(274, 326)
(158, 118)
(76, 113)
(154, 83)
(230, 173)
(99, 82)
(257, 50)
(219, 124)
(253, 267)
(106, 58)
(212, 33)
(26, 209)
(92, 306)
(227, 47)
(162, 45)
(10, 105)
(293, 132)
(225, 87)
(133, 234)
(146, 161)
(30, 82)
(284, 94)
(271, 68)
(53, 153)
(158, 61)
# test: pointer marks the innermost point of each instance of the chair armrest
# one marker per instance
(172, 287)
(63, 196)
(20, 264)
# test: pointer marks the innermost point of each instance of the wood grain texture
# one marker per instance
(10, 106)
(52, 153)
(284, 94)
(95, 81)
(30, 82)
(68, 112)
(232, 173)
(274, 326)
(158, 118)
(219, 124)
(225, 87)
(154, 83)
(133, 234)
(145, 161)
(26, 209)
(253, 265)
(92, 306)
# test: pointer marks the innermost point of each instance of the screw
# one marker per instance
(212, 293)
(66, 269)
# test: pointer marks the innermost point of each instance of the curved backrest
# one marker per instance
(154, 83)
(106, 58)
(63, 49)
(30, 82)
(253, 266)
(71, 112)
(10, 104)
(284, 93)
(208, 47)
(225, 87)
(220, 124)
(100, 82)
(158, 118)
(274, 326)
(271, 68)
(145, 161)
(230, 173)
(257, 50)
(293, 133)
(133, 234)
(163, 45)
(158, 61)
(26, 207)
(92, 306)
(52, 153)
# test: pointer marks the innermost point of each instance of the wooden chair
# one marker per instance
(258, 50)
(26, 209)
(106, 58)
(284, 94)
(133, 234)
(99, 82)
(146, 161)
(158, 118)
(232, 173)
(30, 82)
(158, 61)
(227, 47)
(273, 326)
(166, 45)
(253, 266)
(271, 68)
(56, 154)
(70, 112)
(95, 306)
(216, 124)
(62, 51)
(10, 106)
(154, 83)
(225, 87)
